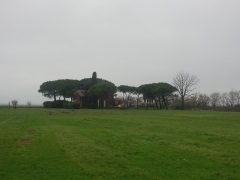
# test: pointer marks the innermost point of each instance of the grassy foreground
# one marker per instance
(119, 144)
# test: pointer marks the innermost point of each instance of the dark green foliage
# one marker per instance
(67, 87)
(54, 104)
(97, 90)
(125, 89)
(62, 87)
(127, 92)
(94, 78)
(157, 94)
(60, 104)
(48, 104)
(155, 89)
(71, 105)
(86, 83)
(103, 89)
(49, 89)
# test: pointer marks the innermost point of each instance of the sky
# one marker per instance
(127, 42)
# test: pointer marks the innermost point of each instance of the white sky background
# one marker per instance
(128, 42)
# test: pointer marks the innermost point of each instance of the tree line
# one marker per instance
(162, 95)
(98, 90)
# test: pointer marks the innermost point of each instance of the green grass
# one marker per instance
(118, 144)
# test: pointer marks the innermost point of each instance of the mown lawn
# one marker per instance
(118, 144)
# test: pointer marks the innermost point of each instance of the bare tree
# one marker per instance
(224, 99)
(238, 97)
(14, 103)
(215, 99)
(29, 104)
(185, 84)
(203, 101)
(232, 96)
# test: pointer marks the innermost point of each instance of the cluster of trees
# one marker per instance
(155, 94)
(218, 101)
(180, 95)
(97, 90)
(227, 99)
(14, 104)
(161, 95)
(59, 88)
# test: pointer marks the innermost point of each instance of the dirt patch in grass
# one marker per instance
(32, 131)
(26, 140)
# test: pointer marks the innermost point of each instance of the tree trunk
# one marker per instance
(156, 104)
(165, 102)
(183, 105)
(137, 100)
(160, 102)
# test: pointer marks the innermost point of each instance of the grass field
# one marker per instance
(118, 144)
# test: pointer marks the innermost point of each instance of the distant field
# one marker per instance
(118, 144)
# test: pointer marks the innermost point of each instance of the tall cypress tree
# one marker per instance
(94, 78)
(93, 99)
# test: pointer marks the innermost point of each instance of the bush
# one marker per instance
(71, 105)
(48, 104)
(60, 104)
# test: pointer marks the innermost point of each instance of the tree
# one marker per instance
(67, 87)
(14, 103)
(238, 97)
(185, 84)
(232, 97)
(49, 89)
(103, 91)
(156, 94)
(63, 88)
(203, 101)
(224, 99)
(29, 104)
(163, 91)
(127, 92)
(215, 99)
(147, 90)
(94, 78)
(92, 88)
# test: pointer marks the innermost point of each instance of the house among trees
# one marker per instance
(95, 93)
(80, 97)
(99, 93)
(86, 93)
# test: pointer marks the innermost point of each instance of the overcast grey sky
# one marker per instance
(128, 42)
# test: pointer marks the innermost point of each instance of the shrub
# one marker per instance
(71, 105)
(48, 104)
(60, 104)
